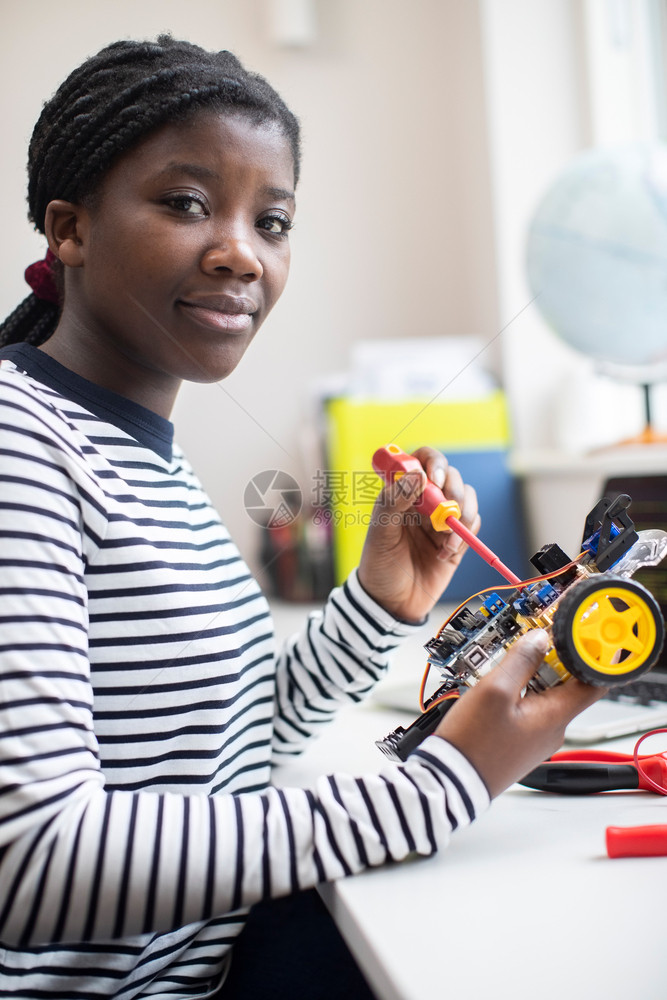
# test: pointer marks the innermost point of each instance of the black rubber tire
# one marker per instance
(569, 617)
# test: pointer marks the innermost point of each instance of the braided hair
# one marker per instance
(108, 104)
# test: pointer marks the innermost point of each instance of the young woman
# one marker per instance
(142, 699)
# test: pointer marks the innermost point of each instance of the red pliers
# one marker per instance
(579, 772)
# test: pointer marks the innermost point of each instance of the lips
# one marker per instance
(230, 313)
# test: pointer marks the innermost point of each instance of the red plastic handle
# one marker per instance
(637, 841)
(390, 461)
(601, 756)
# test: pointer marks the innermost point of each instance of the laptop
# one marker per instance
(637, 707)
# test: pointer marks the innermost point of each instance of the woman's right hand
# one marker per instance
(505, 735)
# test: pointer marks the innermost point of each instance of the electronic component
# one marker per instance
(605, 628)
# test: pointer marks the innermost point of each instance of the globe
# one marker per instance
(597, 257)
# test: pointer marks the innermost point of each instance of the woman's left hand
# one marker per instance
(406, 564)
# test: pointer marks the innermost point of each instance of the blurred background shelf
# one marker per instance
(558, 488)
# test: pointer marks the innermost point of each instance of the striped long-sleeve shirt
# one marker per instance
(141, 701)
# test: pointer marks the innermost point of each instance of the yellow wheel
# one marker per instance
(608, 631)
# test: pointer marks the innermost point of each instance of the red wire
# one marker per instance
(654, 785)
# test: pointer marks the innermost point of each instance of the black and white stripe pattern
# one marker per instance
(140, 705)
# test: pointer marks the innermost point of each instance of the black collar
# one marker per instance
(150, 429)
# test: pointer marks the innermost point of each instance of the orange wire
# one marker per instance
(487, 590)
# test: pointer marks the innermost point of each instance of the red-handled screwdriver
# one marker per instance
(390, 462)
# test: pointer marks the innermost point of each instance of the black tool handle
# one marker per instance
(581, 777)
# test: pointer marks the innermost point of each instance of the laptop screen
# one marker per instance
(648, 510)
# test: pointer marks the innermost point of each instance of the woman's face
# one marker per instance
(182, 253)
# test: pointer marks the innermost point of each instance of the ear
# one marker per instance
(65, 226)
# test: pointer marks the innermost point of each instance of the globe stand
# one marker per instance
(645, 377)
(648, 435)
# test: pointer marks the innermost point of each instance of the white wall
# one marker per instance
(534, 77)
(560, 77)
(431, 129)
(393, 232)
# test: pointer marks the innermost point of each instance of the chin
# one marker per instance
(217, 365)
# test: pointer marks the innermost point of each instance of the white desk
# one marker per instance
(525, 904)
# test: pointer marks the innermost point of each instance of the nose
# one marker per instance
(233, 253)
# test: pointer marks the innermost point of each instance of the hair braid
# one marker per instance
(95, 148)
(32, 322)
(108, 104)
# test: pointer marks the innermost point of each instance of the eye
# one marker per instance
(276, 225)
(187, 204)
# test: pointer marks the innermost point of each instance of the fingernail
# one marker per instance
(538, 638)
(438, 476)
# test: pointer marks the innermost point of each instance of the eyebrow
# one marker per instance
(195, 169)
(205, 173)
(280, 194)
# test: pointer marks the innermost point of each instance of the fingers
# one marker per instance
(406, 564)
(522, 660)
(445, 476)
(401, 494)
(452, 545)
(434, 464)
(448, 478)
(574, 696)
(502, 733)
